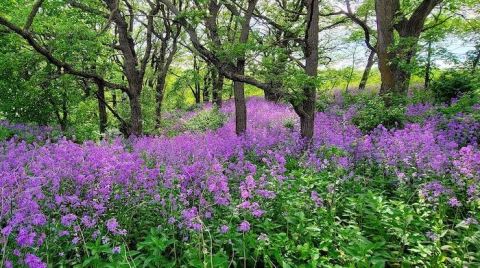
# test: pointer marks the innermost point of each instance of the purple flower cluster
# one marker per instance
(192, 178)
(463, 129)
(29, 131)
(418, 109)
(417, 148)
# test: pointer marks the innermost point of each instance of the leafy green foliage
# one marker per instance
(372, 111)
(453, 84)
(5, 133)
(468, 103)
(206, 120)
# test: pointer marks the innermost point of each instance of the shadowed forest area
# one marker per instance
(251, 133)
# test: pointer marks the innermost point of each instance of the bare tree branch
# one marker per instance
(33, 13)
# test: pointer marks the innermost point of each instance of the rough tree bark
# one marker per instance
(197, 91)
(207, 82)
(159, 94)
(102, 108)
(391, 62)
(385, 12)
(132, 71)
(306, 108)
(238, 86)
(217, 90)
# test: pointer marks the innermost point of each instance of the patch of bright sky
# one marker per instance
(347, 53)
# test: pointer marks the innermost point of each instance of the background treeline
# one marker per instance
(94, 66)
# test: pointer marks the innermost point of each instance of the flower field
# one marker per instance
(406, 196)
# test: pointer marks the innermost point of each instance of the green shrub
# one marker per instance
(454, 84)
(206, 120)
(468, 104)
(420, 96)
(324, 100)
(372, 112)
(5, 133)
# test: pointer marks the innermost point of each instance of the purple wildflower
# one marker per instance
(244, 226)
(116, 250)
(68, 219)
(224, 229)
(33, 261)
(453, 202)
(316, 199)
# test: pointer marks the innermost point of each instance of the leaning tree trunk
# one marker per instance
(102, 108)
(366, 72)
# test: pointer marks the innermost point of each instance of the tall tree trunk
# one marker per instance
(391, 62)
(135, 113)
(197, 90)
(385, 11)
(133, 68)
(217, 88)
(162, 65)
(64, 110)
(240, 106)
(428, 66)
(402, 79)
(114, 99)
(159, 94)
(366, 72)
(197, 94)
(61, 117)
(207, 82)
(239, 87)
(102, 108)
(307, 109)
